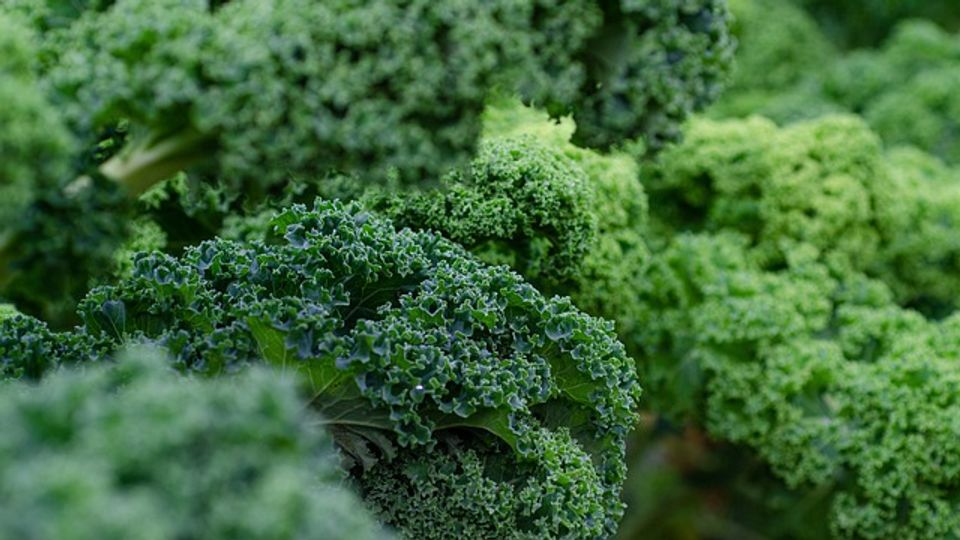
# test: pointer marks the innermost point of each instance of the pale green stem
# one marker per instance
(142, 166)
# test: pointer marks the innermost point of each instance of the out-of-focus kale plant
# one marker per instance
(135, 451)
(399, 268)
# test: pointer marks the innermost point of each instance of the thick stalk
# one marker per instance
(143, 165)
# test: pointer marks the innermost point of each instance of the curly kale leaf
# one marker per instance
(29, 349)
(774, 314)
(506, 495)
(571, 220)
(825, 185)
(134, 451)
(519, 203)
(288, 88)
(653, 63)
(405, 333)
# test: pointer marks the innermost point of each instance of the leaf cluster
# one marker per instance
(243, 99)
(406, 334)
(134, 451)
(788, 72)
(798, 302)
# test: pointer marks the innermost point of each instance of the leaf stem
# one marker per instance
(143, 165)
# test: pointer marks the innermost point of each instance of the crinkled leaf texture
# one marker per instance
(406, 333)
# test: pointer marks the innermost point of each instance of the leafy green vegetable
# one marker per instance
(569, 219)
(815, 183)
(405, 333)
(299, 88)
(832, 385)
(825, 185)
(780, 53)
(519, 203)
(902, 89)
(132, 451)
(28, 349)
(774, 313)
(242, 99)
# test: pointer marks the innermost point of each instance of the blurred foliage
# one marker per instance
(863, 23)
(904, 88)
(800, 299)
(134, 451)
